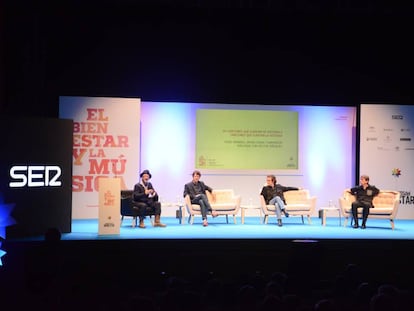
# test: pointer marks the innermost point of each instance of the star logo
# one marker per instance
(396, 172)
(2, 253)
(5, 220)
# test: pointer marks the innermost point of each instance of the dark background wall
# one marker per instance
(311, 52)
(36, 142)
(238, 51)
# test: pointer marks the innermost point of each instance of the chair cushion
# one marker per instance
(381, 211)
(374, 211)
(384, 199)
(298, 207)
(383, 202)
(224, 196)
(223, 200)
(216, 207)
(195, 207)
(223, 207)
(296, 196)
(291, 207)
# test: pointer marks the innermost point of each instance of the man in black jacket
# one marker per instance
(273, 194)
(196, 190)
(146, 200)
(364, 194)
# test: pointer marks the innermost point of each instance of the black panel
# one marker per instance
(37, 142)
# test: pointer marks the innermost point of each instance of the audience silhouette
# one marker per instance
(55, 283)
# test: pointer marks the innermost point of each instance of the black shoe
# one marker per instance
(286, 213)
(355, 226)
(363, 226)
(279, 222)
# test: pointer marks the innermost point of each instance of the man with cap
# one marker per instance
(146, 200)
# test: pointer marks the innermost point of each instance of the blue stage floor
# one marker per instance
(252, 229)
(227, 249)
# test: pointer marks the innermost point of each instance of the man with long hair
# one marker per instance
(273, 195)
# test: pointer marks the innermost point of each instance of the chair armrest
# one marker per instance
(343, 205)
(395, 209)
(396, 203)
(187, 202)
(211, 197)
(126, 206)
(263, 204)
(237, 202)
(312, 202)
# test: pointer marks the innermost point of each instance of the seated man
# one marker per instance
(364, 193)
(196, 190)
(273, 194)
(145, 200)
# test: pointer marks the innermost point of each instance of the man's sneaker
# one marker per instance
(279, 222)
(205, 223)
(286, 213)
(214, 213)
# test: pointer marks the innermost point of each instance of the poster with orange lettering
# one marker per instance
(106, 141)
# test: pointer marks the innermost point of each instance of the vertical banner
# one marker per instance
(106, 143)
(387, 151)
(109, 206)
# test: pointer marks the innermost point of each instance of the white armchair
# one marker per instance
(298, 203)
(386, 205)
(223, 201)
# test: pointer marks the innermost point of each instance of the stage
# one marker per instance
(253, 245)
(293, 228)
(230, 251)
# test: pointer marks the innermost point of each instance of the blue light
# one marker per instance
(165, 144)
(326, 143)
(2, 253)
(5, 220)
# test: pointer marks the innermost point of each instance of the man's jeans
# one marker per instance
(205, 206)
(279, 206)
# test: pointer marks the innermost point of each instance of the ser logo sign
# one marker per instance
(35, 176)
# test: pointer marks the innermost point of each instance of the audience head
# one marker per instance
(325, 305)
(247, 297)
(383, 302)
(274, 289)
(271, 303)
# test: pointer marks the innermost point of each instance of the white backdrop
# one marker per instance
(326, 152)
(122, 136)
(387, 150)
